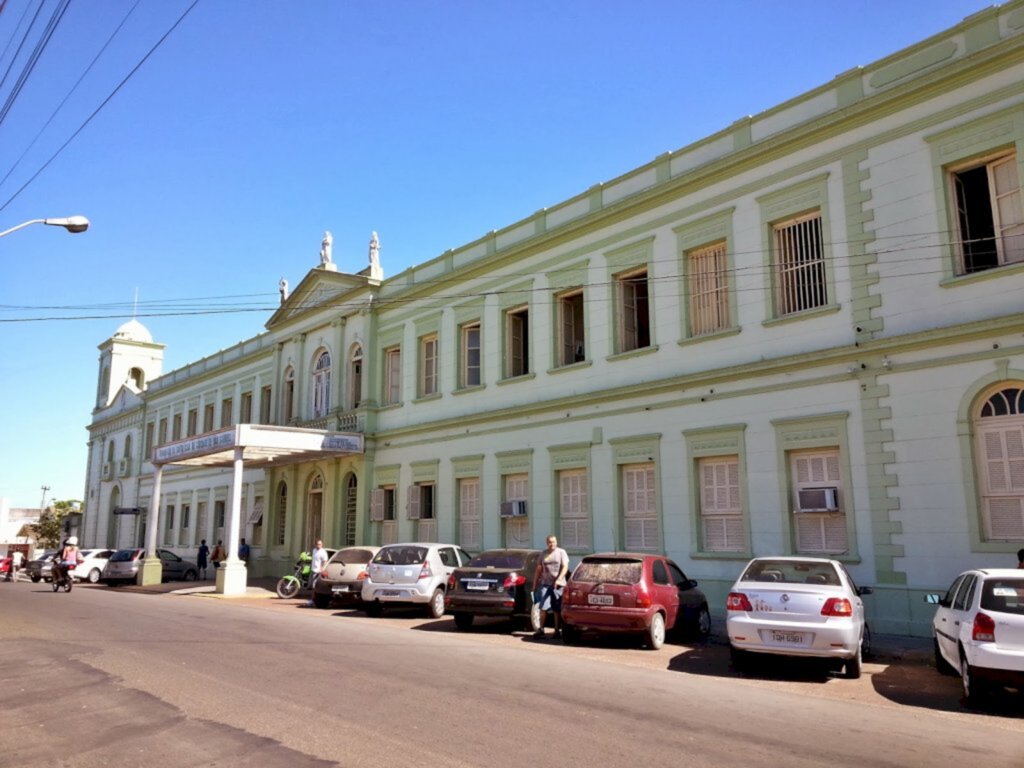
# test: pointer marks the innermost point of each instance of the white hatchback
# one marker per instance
(411, 574)
(797, 606)
(979, 630)
(91, 567)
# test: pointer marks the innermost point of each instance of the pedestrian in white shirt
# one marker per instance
(317, 564)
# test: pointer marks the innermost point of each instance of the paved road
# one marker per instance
(104, 677)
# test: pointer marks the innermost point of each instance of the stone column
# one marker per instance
(231, 576)
(152, 569)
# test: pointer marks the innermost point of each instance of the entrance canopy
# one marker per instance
(262, 446)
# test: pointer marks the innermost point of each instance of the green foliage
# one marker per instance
(50, 529)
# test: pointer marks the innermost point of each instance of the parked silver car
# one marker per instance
(123, 567)
(342, 578)
(797, 606)
(411, 574)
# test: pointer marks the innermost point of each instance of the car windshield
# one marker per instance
(123, 556)
(1004, 595)
(352, 556)
(792, 572)
(499, 559)
(401, 556)
(608, 571)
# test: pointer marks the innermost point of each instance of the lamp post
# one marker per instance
(70, 223)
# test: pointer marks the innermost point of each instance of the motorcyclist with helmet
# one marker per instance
(69, 557)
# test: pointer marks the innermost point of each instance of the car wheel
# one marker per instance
(975, 690)
(463, 621)
(35, 579)
(943, 666)
(373, 608)
(855, 665)
(702, 622)
(190, 575)
(94, 576)
(435, 608)
(322, 601)
(571, 635)
(655, 636)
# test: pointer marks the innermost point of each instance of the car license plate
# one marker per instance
(339, 589)
(600, 599)
(477, 584)
(391, 593)
(788, 638)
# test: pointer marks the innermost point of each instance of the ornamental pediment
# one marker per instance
(318, 290)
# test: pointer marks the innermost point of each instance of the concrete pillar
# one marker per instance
(231, 576)
(152, 569)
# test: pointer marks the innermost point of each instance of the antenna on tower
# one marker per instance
(135, 305)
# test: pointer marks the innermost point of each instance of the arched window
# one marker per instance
(282, 514)
(138, 377)
(127, 447)
(315, 510)
(322, 385)
(355, 394)
(110, 451)
(999, 429)
(289, 394)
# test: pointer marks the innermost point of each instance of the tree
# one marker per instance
(50, 528)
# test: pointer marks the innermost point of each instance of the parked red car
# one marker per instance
(625, 592)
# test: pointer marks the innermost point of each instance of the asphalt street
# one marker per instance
(103, 677)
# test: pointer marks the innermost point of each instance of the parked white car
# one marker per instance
(411, 574)
(979, 630)
(92, 564)
(798, 606)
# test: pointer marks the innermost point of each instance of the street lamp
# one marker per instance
(70, 223)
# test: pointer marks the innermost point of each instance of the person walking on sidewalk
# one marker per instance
(202, 558)
(16, 561)
(218, 554)
(548, 583)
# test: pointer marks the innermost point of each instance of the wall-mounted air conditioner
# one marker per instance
(513, 509)
(818, 500)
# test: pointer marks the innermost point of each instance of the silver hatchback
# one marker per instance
(411, 574)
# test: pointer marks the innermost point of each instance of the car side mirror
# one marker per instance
(687, 584)
(865, 591)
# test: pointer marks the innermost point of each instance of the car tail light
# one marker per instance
(837, 606)
(513, 580)
(643, 599)
(362, 575)
(451, 581)
(984, 629)
(425, 571)
(737, 601)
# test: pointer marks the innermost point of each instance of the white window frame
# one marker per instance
(392, 375)
(999, 431)
(798, 254)
(321, 385)
(470, 522)
(723, 526)
(471, 348)
(575, 531)
(707, 287)
(428, 365)
(641, 527)
(634, 309)
(517, 341)
(818, 533)
(572, 335)
(1006, 208)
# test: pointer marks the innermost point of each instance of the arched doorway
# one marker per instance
(315, 510)
(349, 513)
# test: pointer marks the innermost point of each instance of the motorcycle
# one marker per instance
(288, 586)
(61, 577)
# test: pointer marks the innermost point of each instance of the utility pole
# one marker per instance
(42, 503)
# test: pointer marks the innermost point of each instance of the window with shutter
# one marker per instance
(634, 311)
(428, 354)
(517, 342)
(392, 376)
(720, 507)
(990, 213)
(412, 508)
(470, 373)
(707, 284)
(574, 510)
(572, 344)
(818, 532)
(517, 529)
(469, 513)
(1000, 441)
(639, 508)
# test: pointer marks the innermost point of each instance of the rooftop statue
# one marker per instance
(325, 248)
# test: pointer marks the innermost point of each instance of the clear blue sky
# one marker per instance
(257, 125)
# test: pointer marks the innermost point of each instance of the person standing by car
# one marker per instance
(317, 563)
(68, 558)
(218, 554)
(202, 558)
(243, 552)
(548, 583)
(16, 562)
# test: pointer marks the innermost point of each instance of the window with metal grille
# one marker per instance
(818, 532)
(707, 284)
(571, 333)
(989, 213)
(574, 527)
(721, 510)
(1000, 450)
(800, 282)
(640, 524)
(634, 311)
(428, 365)
(517, 342)
(469, 513)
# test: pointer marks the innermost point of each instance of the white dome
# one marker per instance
(133, 330)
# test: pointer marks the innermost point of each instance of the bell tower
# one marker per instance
(128, 358)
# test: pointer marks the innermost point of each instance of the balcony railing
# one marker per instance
(343, 421)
